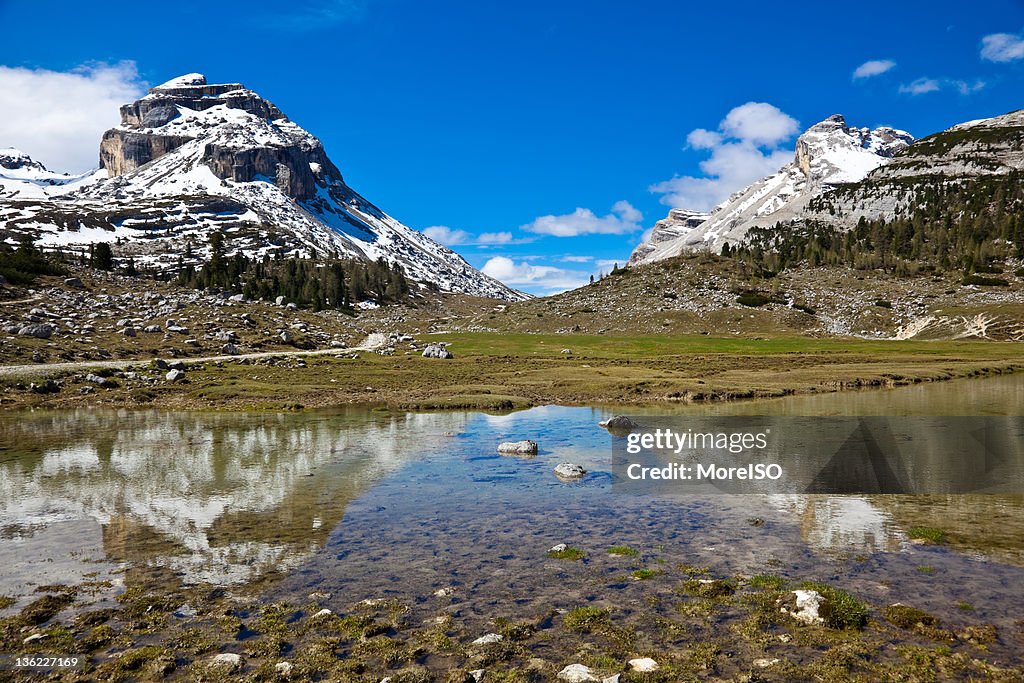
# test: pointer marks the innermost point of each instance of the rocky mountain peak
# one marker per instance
(14, 159)
(828, 154)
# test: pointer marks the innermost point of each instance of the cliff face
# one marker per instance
(678, 223)
(191, 158)
(158, 124)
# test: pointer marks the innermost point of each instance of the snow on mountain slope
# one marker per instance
(192, 157)
(24, 178)
(828, 154)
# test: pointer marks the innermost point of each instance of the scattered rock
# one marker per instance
(39, 331)
(229, 350)
(175, 365)
(803, 605)
(33, 638)
(477, 674)
(73, 282)
(286, 337)
(620, 424)
(577, 673)
(100, 381)
(322, 613)
(279, 301)
(283, 669)
(525, 447)
(765, 662)
(568, 470)
(643, 665)
(152, 329)
(437, 351)
(566, 351)
(128, 331)
(226, 661)
(175, 376)
(489, 639)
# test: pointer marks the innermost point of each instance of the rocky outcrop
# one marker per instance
(150, 129)
(678, 223)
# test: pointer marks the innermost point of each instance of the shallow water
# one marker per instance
(363, 504)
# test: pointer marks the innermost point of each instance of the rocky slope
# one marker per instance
(192, 157)
(961, 155)
(828, 154)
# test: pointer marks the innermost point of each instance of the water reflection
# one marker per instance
(215, 498)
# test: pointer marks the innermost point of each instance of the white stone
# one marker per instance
(643, 665)
(764, 662)
(577, 673)
(227, 660)
(568, 470)
(808, 607)
(489, 639)
(323, 613)
(283, 668)
(561, 547)
(524, 447)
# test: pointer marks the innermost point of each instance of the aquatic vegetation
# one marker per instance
(568, 553)
(623, 550)
(906, 616)
(767, 582)
(644, 574)
(586, 619)
(927, 534)
(840, 610)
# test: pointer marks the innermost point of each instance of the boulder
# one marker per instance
(286, 337)
(100, 381)
(152, 329)
(128, 331)
(525, 447)
(73, 282)
(283, 669)
(39, 331)
(229, 349)
(226, 661)
(489, 639)
(569, 470)
(279, 301)
(437, 351)
(175, 375)
(620, 424)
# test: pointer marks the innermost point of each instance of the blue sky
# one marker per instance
(541, 126)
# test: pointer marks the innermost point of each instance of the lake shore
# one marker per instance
(509, 371)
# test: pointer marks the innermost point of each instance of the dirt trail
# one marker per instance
(371, 343)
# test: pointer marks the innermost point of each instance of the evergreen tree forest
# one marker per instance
(967, 228)
(318, 284)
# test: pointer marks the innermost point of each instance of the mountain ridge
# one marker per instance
(192, 157)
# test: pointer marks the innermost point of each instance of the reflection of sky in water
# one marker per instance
(223, 498)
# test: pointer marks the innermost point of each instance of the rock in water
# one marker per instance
(620, 425)
(525, 447)
(437, 351)
(568, 470)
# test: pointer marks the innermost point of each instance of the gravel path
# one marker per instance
(371, 343)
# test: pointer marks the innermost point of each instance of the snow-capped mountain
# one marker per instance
(193, 157)
(828, 154)
(22, 177)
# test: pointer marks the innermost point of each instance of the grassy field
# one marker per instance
(507, 371)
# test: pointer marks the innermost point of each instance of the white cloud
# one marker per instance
(539, 278)
(623, 219)
(744, 149)
(1002, 47)
(442, 234)
(922, 86)
(577, 259)
(58, 117)
(449, 237)
(874, 67)
(759, 123)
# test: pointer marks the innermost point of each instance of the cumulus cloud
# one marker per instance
(923, 85)
(623, 219)
(541, 279)
(874, 67)
(577, 259)
(745, 148)
(58, 117)
(449, 237)
(1002, 47)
